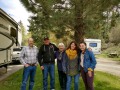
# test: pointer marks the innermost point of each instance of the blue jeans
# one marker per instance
(28, 71)
(76, 82)
(48, 68)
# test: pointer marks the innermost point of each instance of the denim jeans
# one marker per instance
(28, 72)
(76, 82)
(48, 69)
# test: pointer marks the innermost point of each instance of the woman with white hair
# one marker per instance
(62, 76)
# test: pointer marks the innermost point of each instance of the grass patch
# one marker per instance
(115, 59)
(102, 55)
(112, 49)
(103, 81)
(106, 56)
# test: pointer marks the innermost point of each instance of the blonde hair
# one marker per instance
(61, 44)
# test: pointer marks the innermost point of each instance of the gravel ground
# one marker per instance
(112, 67)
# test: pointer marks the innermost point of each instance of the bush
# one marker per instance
(115, 35)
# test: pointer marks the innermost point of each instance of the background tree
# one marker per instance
(115, 33)
(25, 35)
(80, 18)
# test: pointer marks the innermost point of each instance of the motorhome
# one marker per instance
(94, 44)
(9, 31)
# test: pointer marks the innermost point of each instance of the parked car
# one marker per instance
(16, 55)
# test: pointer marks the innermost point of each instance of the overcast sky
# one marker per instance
(16, 10)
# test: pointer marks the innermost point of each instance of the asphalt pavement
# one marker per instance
(11, 69)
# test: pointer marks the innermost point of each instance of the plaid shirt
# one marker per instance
(29, 55)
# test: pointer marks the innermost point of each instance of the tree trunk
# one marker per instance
(79, 25)
(79, 34)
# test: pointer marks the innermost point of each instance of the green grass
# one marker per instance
(103, 55)
(115, 59)
(103, 81)
(110, 49)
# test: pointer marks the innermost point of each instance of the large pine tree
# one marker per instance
(85, 18)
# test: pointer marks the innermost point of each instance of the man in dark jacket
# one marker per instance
(46, 60)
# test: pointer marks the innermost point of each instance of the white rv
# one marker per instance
(94, 44)
(8, 37)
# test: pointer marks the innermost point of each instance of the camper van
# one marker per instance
(8, 38)
(94, 44)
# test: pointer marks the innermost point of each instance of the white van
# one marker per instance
(94, 44)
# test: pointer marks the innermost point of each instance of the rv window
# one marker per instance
(93, 44)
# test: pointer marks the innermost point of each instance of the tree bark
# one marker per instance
(79, 25)
(79, 33)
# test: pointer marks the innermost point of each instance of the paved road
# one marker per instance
(11, 69)
(112, 67)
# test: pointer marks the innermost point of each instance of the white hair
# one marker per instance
(61, 44)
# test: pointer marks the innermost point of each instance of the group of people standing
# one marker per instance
(72, 62)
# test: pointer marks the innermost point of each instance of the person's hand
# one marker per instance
(90, 49)
(26, 65)
(36, 64)
(90, 73)
(42, 68)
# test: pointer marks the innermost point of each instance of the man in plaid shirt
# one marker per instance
(28, 58)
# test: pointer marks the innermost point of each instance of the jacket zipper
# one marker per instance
(49, 54)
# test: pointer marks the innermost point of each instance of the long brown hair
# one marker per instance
(76, 47)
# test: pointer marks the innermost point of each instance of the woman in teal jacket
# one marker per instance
(87, 66)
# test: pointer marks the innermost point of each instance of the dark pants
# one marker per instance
(48, 69)
(88, 81)
(28, 71)
(62, 79)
